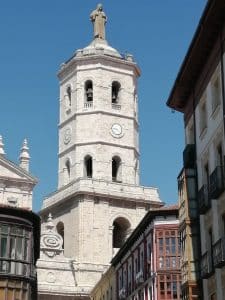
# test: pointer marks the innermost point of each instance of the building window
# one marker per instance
(116, 169)
(15, 250)
(168, 249)
(88, 91)
(88, 166)
(206, 174)
(67, 171)
(169, 287)
(136, 265)
(215, 93)
(149, 259)
(69, 95)
(120, 282)
(60, 230)
(160, 240)
(219, 155)
(115, 92)
(142, 261)
(202, 117)
(125, 279)
(129, 278)
(121, 228)
(210, 246)
(223, 224)
(161, 263)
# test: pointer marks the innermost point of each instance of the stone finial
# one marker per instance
(50, 225)
(99, 19)
(24, 156)
(51, 240)
(2, 152)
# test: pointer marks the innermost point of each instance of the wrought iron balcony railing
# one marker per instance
(206, 265)
(116, 106)
(219, 253)
(204, 201)
(88, 104)
(216, 186)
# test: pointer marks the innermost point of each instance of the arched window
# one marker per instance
(68, 93)
(88, 91)
(115, 91)
(88, 166)
(121, 230)
(60, 230)
(67, 171)
(116, 169)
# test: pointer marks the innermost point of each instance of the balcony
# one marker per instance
(139, 277)
(88, 104)
(189, 156)
(203, 199)
(216, 183)
(116, 106)
(122, 293)
(219, 253)
(206, 265)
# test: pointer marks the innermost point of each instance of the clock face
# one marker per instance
(67, 136)
(116, 130)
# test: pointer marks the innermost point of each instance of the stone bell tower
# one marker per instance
(99, 200)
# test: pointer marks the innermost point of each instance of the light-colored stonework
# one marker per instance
(94, 209)
(16, 184)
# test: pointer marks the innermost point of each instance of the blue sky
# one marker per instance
(37, 36)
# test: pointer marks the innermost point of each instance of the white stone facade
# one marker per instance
(99, 200)
(85, 128)
(16, 184)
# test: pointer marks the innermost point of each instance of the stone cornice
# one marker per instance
(68, 67)
(100, 142)
(24, 175)
(102, 188)
(104, 112)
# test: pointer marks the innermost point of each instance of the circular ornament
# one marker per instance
(67, 136)
(116, 130)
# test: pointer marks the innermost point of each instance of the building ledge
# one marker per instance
(98, 187)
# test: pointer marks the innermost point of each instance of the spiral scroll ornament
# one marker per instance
(51, 241)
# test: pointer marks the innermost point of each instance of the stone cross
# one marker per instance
(98, 18)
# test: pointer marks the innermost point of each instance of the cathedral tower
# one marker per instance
(99, 200)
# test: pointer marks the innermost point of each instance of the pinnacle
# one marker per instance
(2, 152)
(24, 152)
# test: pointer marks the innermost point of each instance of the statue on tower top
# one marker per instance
(98, 18)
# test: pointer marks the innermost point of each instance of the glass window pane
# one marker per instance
(173, 245)
(167, 262)
(3, 249)
(160, 245)
(4, 266)
(16, 230)
(19, 268)
(12, 248)
(4, 229)
(26, 243)
(19, 244)
(12, 267)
